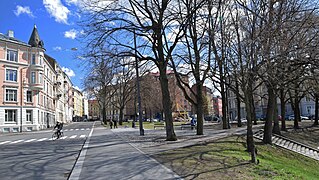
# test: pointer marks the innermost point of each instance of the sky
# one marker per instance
(56, 21)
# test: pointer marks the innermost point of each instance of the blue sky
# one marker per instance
(56, 21)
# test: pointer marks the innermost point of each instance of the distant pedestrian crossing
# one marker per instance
(41, 139)
(78, 129)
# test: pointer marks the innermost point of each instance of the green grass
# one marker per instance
(227, 159)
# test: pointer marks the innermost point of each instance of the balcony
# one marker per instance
(57, 83)
(57, 96)
(36, 86)
(36, 67)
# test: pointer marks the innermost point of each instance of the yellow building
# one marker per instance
(77, 105)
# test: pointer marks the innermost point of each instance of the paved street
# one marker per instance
(33, 155)
(90, 151)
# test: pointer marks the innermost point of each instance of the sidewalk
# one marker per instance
(109, 157)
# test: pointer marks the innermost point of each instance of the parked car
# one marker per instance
(292, 117)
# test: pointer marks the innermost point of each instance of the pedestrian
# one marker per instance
(115, 123)
(111, 124)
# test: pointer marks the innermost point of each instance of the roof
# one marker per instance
(35, 40)
(11, 39)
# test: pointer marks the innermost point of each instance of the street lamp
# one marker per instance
(138, 90)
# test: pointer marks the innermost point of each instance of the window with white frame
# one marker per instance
(11, 95)
(33, 79)
(11, 75)
(10, 115)
(29, 116)
(33, 59)
(29, 96)
(41, 60)
(40, 78)
(12, 55)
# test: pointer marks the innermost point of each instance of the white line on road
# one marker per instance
(4, 142)
(71, 129)
(14, 142)
(30, 140)
(76, 129)
(82, 136)
(66, 130)
(82, 129)
(87, 129)
(76, 171)
(43, 139)
(72, 137)
(64, 137)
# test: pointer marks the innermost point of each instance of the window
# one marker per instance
(40, 78)
(11, 75)
(29, 96)
(29, 115)
(11, 95)
(10, 115)
(41, 60)
(33, 77)
(12, 55)
(33, 59)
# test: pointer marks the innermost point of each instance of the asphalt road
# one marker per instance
(33, 155)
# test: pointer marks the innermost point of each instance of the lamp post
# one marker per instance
(140, 114)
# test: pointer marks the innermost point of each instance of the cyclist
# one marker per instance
(59, 127)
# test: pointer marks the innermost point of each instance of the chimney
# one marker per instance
(11, 33)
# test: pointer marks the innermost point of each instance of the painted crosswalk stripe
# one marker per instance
(76, 129)
(63, 137)
(71, 129)
(30, 140)
(4, 142)
(66, 130)
(43, 139)
(82, 136)
(82, 129)
(87, 128)
(14, 142)
(72, 137)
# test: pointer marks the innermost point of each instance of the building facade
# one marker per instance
(77, 105)
(28, 89)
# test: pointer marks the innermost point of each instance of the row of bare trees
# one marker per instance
(238, 45)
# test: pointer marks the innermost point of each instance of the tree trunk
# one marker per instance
(104, 113)
(269, 116)
(296, 113)
(250, 138)
(238, 112)
(170, 134)
(283, 110)
(199, 109)
(316, 110)
(121, 116)
(276, 129)
(224, 102)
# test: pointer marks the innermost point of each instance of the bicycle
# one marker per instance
(57, 134)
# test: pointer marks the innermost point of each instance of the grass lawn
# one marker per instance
(227, 159)
(150, 125)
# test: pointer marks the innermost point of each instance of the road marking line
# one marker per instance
(30, 140)
(71, 129)
(76, 171)
(76, 129)
(66, 130)
(72, 137)
(14, 142)
(42, 139)
(82, 129)
(87, 129)
(64, 137)
(4, 142)
(82, 136)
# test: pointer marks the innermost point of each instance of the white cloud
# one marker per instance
(57, 48)
(68, 71)
(70, 2)
(72, 34)
(57, 10)
(23, 10)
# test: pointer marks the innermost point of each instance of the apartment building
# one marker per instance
(77, 105)
(94, 109)
(28, 93)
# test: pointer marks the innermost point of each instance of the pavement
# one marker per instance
(123, 154)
